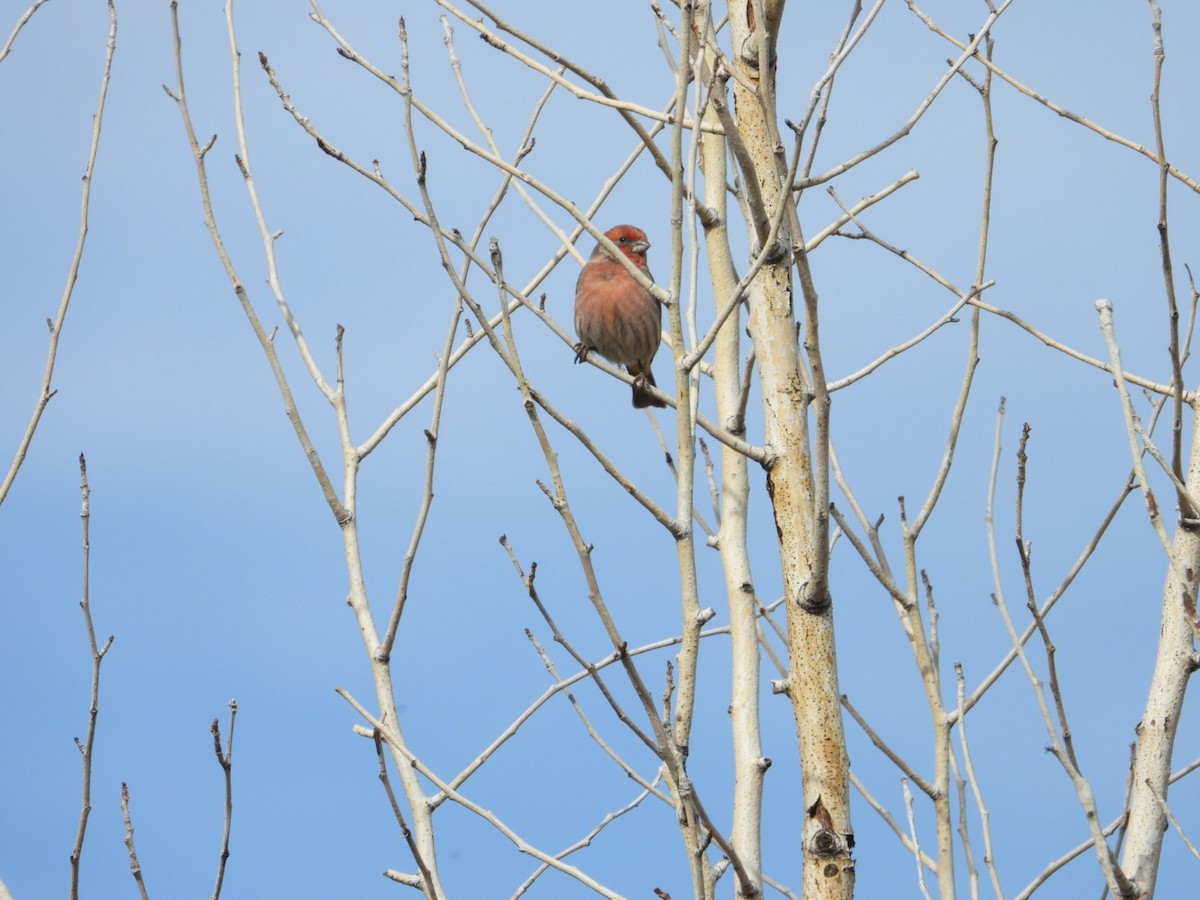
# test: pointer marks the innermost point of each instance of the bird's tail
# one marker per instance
(642, 398)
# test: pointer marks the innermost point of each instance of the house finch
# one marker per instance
(616, 316)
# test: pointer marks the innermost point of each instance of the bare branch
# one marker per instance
(225, 761)
(21, 22)
(969, 51)
(87, 746)
(135, 866)
(46, 393)
(425, 882)
(1113, 876)
(396, 743)
(1050, 105)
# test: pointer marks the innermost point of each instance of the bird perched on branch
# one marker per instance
(616, 316)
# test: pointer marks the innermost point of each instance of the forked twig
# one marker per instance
(425, 882)
(397, 744)
(88, 744)
(225, 761)
(1113, 876)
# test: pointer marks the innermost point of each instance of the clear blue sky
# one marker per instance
(218, 568)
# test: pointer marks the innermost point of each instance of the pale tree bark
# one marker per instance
(797, 477)
(1174, 663)
(1176, 657)
(730, 395)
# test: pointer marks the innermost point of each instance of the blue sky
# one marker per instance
(218, 568)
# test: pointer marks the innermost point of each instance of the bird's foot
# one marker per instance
(581, 351)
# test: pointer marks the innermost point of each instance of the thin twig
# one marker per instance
(446, 357)
(1187, 506)
(225, 761)
(1046, 339)
(1153, 511)
(985, 817)
(265, 338)
(88, 744)
(426, 881)
(586, 840)
(1085, 555)
(45, 392)
(910, 774)
(912, 832)
(135, 866)
(1113, 875)
(1050, 105)
(552, 691)
(1024, 553)
(668, 168)
(1078, 850)
(1175, 823)
(399, 747)
(21, 22)
(969, 51)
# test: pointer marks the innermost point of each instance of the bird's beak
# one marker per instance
(639, 247)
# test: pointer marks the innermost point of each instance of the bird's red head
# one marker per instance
(631, 241)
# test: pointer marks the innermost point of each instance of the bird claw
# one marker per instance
(581, 351)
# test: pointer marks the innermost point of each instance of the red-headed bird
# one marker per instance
(616, 316)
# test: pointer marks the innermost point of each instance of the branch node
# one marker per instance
(810, 601)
